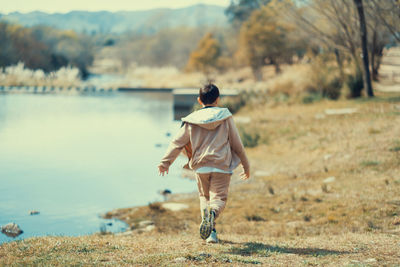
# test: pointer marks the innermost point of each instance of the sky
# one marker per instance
(63, 6)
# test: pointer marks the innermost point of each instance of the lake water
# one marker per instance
(74, 157)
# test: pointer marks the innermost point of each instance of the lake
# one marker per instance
(75, 157)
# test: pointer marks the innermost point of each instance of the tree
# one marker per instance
(204, 58)
(388, 12)
(264, 38)
(44, 48)
(335, 25)
(363, 31)
(167, 47)
(240, 10)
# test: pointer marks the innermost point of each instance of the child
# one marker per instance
(214, 148)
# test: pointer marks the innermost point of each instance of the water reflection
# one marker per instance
(74, 157)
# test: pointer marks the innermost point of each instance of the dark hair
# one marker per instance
(208, 94)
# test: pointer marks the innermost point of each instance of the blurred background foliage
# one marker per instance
(323, 35)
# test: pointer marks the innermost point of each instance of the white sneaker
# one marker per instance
(213, 237)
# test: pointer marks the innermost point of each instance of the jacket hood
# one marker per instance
(208, 118)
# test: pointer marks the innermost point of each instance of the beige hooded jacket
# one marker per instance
(211, 139)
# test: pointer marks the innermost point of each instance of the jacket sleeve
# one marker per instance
(237, 145)
(175, 147)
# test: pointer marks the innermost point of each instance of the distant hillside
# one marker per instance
(147, 21)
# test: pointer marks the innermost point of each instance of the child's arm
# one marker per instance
(174, 148)
(237, 146)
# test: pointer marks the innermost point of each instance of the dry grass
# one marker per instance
(186, 250)
(18, 75)
(293, 80)
(285, 215)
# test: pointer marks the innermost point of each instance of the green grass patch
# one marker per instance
(251, 137)
(395, 149)
(369, 163)
(311, 98)
(255, 218)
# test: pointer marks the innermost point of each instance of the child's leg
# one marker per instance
(203, 184)
(219, 185)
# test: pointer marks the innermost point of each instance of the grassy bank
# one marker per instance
(324, 191)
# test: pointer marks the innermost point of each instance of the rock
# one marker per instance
(340, 111)
(396, 221)
(174, 206)
(34, 212)
(149, 228)
(109, 224)
(295, 224)
(158, 145)
(370, 260)
(327, 156)
(11, 230)
(180, 259)
(143, 224)
(165, 192)
(262, 173)
(242, 120)
(125, 233)
(326, 188)
(329, 180)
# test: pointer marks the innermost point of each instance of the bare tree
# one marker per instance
(335, 25)
(388, 12)
(332, 23)
(363, 31)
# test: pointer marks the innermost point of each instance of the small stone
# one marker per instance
(340, 111)
(174, 206)
(149, 228)
(143, 224)
(34, 212)
(295, 224)
(329, 180)
(125, 233)
(242, 120)
(11, 230)
(327, 156)
(326, 188)
(180, 259)
(204, 255)
(262, 173)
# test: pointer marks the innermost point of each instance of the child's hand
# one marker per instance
(162, 170)
(245, 175)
